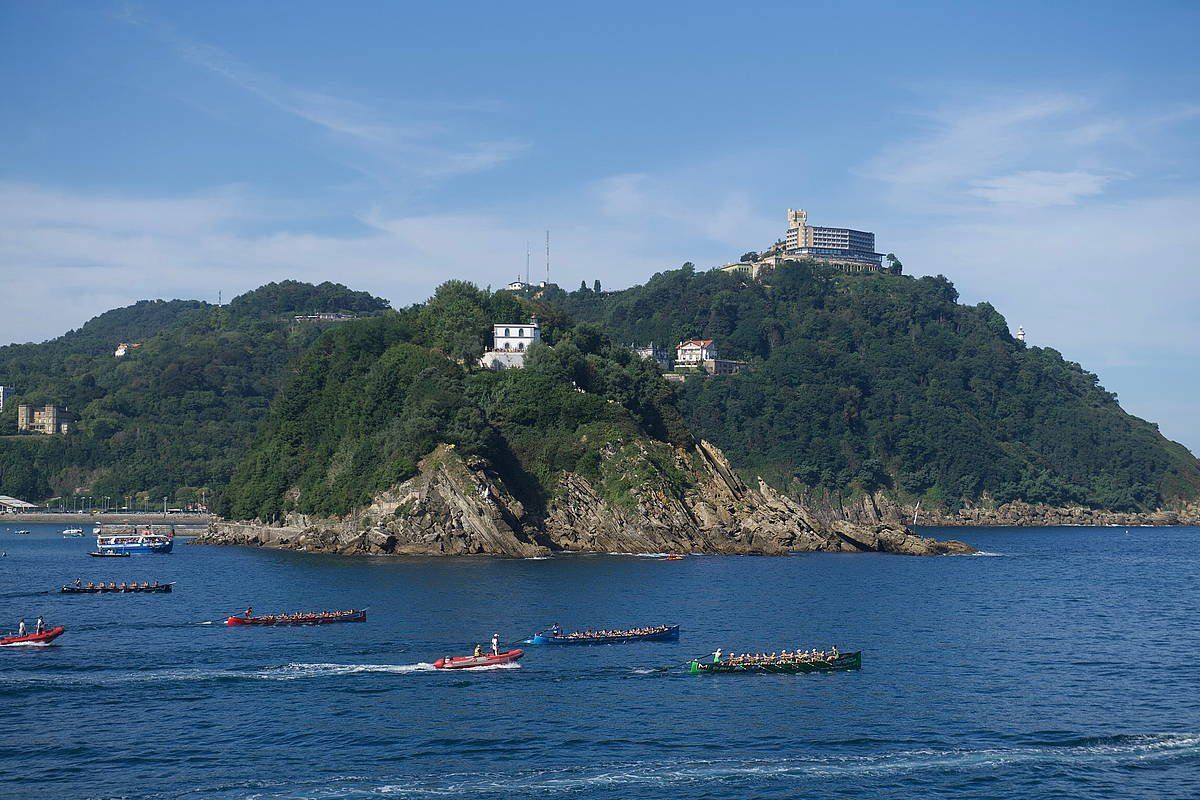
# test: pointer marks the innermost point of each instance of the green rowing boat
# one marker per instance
(844, 661)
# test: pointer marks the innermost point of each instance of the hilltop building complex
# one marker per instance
(846, 249)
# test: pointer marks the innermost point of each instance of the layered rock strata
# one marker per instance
(694, 503)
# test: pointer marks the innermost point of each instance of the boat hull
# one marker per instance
(104, 554)
(471, 662)
(670, 634)
(33, 638)
(162, 588)
(843, 663)
(354, 616)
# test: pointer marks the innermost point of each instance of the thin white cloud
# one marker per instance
(1040, 187)
(431, 147)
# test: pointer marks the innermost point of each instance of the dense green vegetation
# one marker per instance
(171, 418)
(886, 382)
(371, 398)
(859, 383)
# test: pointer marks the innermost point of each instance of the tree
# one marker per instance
(596, 286)
(894, 265)
(749, 257)
(583, 286)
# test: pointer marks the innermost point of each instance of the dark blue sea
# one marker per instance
(1062, 663)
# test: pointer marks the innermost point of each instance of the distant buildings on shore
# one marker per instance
(6, 393)
(124, 347)
(846, 249)
(42, 419)
(510, 341)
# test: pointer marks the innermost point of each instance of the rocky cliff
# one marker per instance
(687, 500)
(882, 508)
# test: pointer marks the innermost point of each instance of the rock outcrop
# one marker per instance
(880, 507)
(686, 500)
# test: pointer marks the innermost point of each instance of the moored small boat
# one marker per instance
(73, 533)
(674, 557)
(120, 588)
(840, 663)
(107, 554)
(322, 618)
(21, 533)
(657, 633)
(485, 660)
(44, 637)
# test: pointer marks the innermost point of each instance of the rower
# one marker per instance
(556, 629)
(249, 612)
(479, 651)
(495, 644)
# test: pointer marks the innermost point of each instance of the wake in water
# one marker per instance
(633, 777)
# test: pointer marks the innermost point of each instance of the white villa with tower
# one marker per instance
(510, 340)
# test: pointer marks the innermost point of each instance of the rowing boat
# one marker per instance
(107, 554)
(486, 660)
(660, 633)
(300, 619)
(120, 588)
(34, 638)
(845, 661)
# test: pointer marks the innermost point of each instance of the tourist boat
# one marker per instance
(300, 619)
(34, 638)
(134, 541)
(73, 533)
(659, 633)
(844, 661)
(107, 554)
(120, 588)
(485, 660)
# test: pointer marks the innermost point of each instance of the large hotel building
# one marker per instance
(845, 248)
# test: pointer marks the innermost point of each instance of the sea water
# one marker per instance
(1060, 664)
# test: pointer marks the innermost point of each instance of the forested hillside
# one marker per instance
(173, 416)
(373, 397)
(880, 382)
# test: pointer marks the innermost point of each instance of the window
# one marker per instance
(520, 345)
(506, 333)
(520, 331)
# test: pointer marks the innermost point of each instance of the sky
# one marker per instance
(1041, 155)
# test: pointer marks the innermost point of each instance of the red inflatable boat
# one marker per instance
(486, 660)
(34, 638)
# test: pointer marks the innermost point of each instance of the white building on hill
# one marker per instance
(692, 352)
(509, 343)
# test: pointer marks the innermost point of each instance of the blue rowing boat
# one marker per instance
(657, 633)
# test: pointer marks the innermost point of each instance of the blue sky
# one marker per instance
(1041, 155)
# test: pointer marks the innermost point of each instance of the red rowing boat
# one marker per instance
(34, 638)
(487, 660)
(300, 619)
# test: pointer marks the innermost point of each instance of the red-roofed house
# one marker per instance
(693, 352)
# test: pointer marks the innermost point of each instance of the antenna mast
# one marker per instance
(547, 255)
(527, 254)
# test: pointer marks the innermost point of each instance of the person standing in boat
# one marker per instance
(39, 626)
(556, 630)
(21, 629)
(495, 644)
(249, 612)
(717, 656)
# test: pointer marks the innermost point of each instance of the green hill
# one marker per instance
(171, 418)
(880, 382)
(373, 397)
